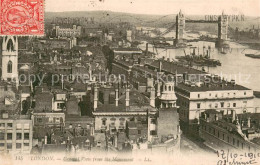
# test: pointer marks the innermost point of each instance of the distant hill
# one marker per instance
(149, 20)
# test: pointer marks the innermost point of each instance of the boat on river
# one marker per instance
(253, 55)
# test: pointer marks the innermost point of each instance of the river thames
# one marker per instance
(235, 65)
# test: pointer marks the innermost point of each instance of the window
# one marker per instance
(18, 145)
(198, 95)
(39, 120)
(216, 105)
(57, 120)
(198, 105)
(2, 136)
(228, 104)
(223, 137)
(139, 132)
(9, 67)
(60, 105)
(103, 122)
(26, 144)
(18, 136)
(222, 104)
(26, 136)
(2, 144)
(244, 93)
(234, 104)
(9, 146)
(9, 136)
(9, 125)
(210, 94)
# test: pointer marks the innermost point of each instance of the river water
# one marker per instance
(235, 65)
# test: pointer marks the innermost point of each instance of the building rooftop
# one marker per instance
(219, 86)
(173, 68)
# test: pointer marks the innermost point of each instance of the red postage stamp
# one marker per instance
(22, 17)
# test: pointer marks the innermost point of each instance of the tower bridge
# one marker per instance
(222, 23)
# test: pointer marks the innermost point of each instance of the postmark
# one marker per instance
(22, 17)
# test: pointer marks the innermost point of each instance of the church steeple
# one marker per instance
(10, 59)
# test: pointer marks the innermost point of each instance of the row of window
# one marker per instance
(224, 137)
(18, 126)
(50, 120)
(216, 105)
(18, 136)
(18, 145)
(222, 94)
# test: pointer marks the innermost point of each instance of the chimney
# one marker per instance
(159, 88)
(152, 97)
(62, 82)
(116, 97)
(146, 49)
(127, 96)
(249, 122)
(95, 97)
(45, 139)
(160, 66)
(233, 113)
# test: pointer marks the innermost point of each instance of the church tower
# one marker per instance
(10, 59)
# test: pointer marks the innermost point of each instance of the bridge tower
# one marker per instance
(180, 29)
(222, 30)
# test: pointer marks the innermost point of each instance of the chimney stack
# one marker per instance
(146, 49)
(160, 66)
(127, 97)
(95, 97)
(158, 88)
(233, 113)
(152, 97)
(116, 97)
(249, 122)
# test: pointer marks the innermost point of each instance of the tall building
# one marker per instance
(15, 134)
(195, 98)
(10, 59)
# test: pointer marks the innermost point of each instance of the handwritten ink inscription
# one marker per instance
(237, 158)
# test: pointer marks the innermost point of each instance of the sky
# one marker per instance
(159, 7)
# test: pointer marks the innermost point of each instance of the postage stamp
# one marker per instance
(22, 17)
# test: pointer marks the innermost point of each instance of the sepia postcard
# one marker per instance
(130, 82)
